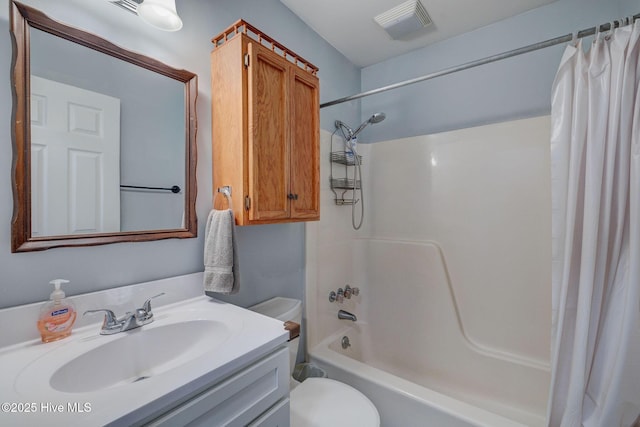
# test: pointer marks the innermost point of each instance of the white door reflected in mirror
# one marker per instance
(75, 160)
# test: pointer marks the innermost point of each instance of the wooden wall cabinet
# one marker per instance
(265, 128)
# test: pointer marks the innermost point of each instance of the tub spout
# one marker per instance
(346, 316)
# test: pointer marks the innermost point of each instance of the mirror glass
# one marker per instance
(107, 140)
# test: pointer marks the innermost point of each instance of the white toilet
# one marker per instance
(319, 402)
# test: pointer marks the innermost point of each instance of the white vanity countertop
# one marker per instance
(29, 398)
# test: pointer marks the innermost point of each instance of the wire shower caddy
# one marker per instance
(346, 181)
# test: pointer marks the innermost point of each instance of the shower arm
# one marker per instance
(349, 134)
(344, 127)
(360, 128)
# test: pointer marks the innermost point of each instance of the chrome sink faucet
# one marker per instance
(113, 325)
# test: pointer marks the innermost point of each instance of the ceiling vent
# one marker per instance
(404, 19)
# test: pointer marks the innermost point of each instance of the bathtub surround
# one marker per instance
(266, 272)
(596, 240)
(453, 268)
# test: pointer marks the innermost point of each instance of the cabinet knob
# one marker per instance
(292, 196)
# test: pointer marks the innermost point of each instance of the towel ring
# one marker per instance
(226, 190)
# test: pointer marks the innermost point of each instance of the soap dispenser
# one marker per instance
(56, 316)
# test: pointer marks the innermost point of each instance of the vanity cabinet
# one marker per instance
(265, 128)
(201, 362)
(257, 396)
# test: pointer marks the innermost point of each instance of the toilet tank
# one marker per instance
(283, 309)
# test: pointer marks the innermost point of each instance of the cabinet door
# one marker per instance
(278, 416)
(268, 134)
(255, 393)
(305, 145)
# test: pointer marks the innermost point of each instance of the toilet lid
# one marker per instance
(322, 402)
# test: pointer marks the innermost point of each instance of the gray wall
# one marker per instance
(272, 256)
(514, 88)
(629, 7)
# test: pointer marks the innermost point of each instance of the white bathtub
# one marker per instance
(410, 399)
(415, 357)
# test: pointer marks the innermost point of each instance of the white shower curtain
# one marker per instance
(595, 152)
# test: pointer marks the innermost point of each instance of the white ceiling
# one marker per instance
(348, 25)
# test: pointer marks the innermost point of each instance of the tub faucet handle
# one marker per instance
(336, 297)
(348, 290)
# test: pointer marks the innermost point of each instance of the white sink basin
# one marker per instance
(89, 362)
(138, 355)
(130, 377)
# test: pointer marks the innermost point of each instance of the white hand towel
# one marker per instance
(220, 253)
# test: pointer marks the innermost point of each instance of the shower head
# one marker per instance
(377, 118)
(350, 133)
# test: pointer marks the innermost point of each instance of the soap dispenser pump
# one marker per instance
(56, 316)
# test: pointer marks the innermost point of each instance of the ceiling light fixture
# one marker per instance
(158, 13)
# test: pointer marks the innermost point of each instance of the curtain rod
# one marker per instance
(526, 49)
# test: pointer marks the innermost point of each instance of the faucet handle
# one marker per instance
(333, 297)
(355, 291)
(147, 304)
(352, 291)
(349, 291)
(110, 319)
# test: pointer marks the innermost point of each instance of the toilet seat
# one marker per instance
(318, 402)
(322, 402)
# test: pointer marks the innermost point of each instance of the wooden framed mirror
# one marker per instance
(104, 140)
